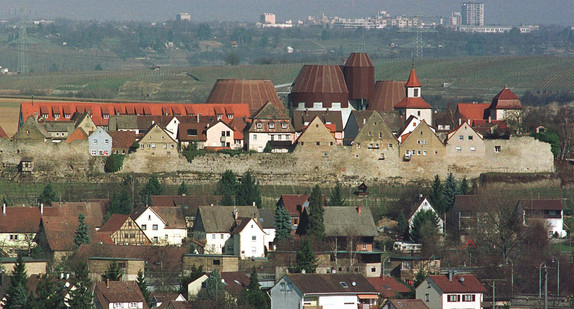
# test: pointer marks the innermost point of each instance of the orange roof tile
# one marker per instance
(505, 99)
(458, 284)
(413, 81)
(77, 135)
(472, 111)
(3, 133)
(412, 103)
(388, 286)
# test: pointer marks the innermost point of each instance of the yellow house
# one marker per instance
(464, 141)
(422, 144)
(316, 135)
(157, 142)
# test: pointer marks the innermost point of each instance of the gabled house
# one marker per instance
(463, 215)
(333, 120)
(316, 134)
(163, 299)
(156, 141)
(505, 106)
(422, 144)
(388, 287)
(19, 226)
(267, 222)
(100, 143)
(408, 127)
(270, 126)
(195, 131)
(189, 204)
(472, 111)
(215, 223)
(465, 141)
(219, 135)
(58, 130)
(122, 141)
(327, 291)
(451, 291)
(82, 121)
(373, 134)
(547, 211)
(122, 230)
(413, 103)
(118, 294)
(31, 131)
(248, 238)
(77, 135)
(162, 225)
(424, 205)
(294, 205)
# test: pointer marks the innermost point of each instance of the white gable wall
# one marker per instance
(156, 230)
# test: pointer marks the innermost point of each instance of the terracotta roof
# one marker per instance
(77, 135)
(22, 219)
(238, 125)
(195, 131)
(388, 286)
(118, 292)
(359, 75)
(359, 60)
(234, 282)
(472, 110)
(332, 284)
(253, 92)
(320, 79)
(387, 94)
(122, 139)
(413, 81)
(301, 119)
(155, 109)
(544, 204)
(3, 133)
(293, 203)
(407, 102)
(172, 216)
(114, 223)
(220, 219)
(342, 220)
(505, 99)
(408, 303)
(460, 284)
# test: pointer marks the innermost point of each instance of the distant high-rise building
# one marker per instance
(183, 17)
(268, 18)
(455, 19)
(473, 13)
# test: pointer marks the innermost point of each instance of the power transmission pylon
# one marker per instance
(419, 44)
(23, 45)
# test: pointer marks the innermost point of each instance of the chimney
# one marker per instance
(459, 121)
(450, 275)
(254, 204)
(359, 210)
(489, 118)
(4, 208)
(197, 116)
(235, 213)
(41, 208)
(108, 283)
(302, 271)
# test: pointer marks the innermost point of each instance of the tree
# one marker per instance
(152, 187)
(50, 294)
(435, 194)
(121, 202)
(81, 296)
(82, 236)
(204, 31)
(17, 295)
(214, 288)
(282, 224)
(403, 226)
(305, 258)
(48, 195)
(421, 218)
(182, 190)
(114, 163)
(113, 273)
(248, 191)
(463, 187)
(195, 273)
(450, 190)
(316, 227)
(227, 188)
(232, 59)
(252, 295)
(143, 287)
(337, 196)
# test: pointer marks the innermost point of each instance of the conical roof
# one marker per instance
(505, 99)
(253, 92)
(413, 80)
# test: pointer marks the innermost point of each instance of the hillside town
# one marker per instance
(454, 241)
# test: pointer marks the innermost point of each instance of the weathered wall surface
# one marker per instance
(309, 164)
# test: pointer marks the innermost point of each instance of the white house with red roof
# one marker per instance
(505, 105)
(413, 103)
(248, 238)
(548, 211)
(451, 291)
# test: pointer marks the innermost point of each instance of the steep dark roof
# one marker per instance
(189, 203)
(320, 79)
(267, 218)
(253, 92)
(220, 219)
(387, 94)
(118, 292)
(347, 221)
(172, 216)
(293, 203)
(331, 284)
(234, 282)
(466, 202)
(301, 119)
(114, 223)
(269, 111)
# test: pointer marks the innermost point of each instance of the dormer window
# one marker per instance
(219, 117)
(229, 116)
(44, 115)
(56, 116)
(67, 116)
(259, 125)
(106, 116)
(284, 125)
(271, 125)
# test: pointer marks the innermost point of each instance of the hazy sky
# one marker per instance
(503, 12)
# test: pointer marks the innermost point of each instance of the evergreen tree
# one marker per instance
(421, 218)
(121, 202)
(214, 287)
(81, 296)
(316, 227)
(152, 187)
(450, 189)
(48, 195)
(50, 294)
(252, 295)
(195, 273)
(82, 236)
(305, 258)
(435, 194)
(113, 273)
(403, 226)
(282, 224)
(248, 191)
(143, 287)
(227, 188)
(463, 188)
(182, 190)
(337, 196)
(17, 295)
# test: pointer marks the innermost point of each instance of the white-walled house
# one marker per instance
(248, 238)
(100, 143)
(451, 291)
(163, 225)
(425, 205)
(219, 135)
(548, 211)
(327, 291)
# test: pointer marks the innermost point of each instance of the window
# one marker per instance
(216, 262)
(222, 133)
(133, 305)
(191, 132)
(254, 137)
(155, 239)
(497, 149)
(117, 305)
(418, 114)
(95, 140)
(418, 152)
(154, 227)
(426, 297)
(460, 137)
(152, 146)
(144, 227)
(106, 141)
(213, 236)
(284, 125)
(458, 148)
(253, 238)
(221, 236)
(369, 133)
(468, 297)
(470, 137)
(358, 145)
(453, 298)
(14, 237)
(344, 284)
(259, 125)
(164, 146)
(472, 148)
(424, 152)
(271, 125)
(318, 143)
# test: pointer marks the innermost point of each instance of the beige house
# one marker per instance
(422, 144)
(219, 135)
(374, 135)
(505, 106)
(210, 262)
(33, 266)
(464, 141)
(157, 142)
(120, 229)
(316, 135)
(270, 126)
(129, 266)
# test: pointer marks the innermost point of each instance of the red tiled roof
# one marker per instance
(154, 109)
(114, 223)
(408, 303)
(118, 292)
(293, 203)
(23, 219)
(407, 102)
(122, 139)
(359, 60)
(387, 95)
(413, 81)
(505, 99)
(172, 216)
(253, 92)
(544, 204)
(77, 135)
(460, 284)
(3, 133)
(472, 111)
(388, 286)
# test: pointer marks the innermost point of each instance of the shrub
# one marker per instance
(114, 163)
